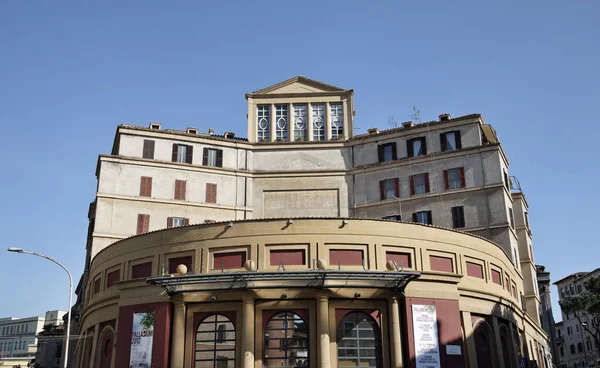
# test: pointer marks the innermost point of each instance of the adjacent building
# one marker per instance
(546, 315)
(576, 347)
(236, 202)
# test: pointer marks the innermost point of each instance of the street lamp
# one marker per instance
(19, 250)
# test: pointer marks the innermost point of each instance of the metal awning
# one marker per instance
(329, 279)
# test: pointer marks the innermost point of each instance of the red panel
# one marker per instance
(113, 277)
(97, 286)
(229, 260)
(401, 259)
(496, 278)
(442, 264)
(289, 257)
(346, 257)
(449, 330)
(475, 270)
(161, 340)
(141, 270)
(174, 262)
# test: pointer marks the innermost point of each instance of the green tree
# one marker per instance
(586, 307)
(147, 320)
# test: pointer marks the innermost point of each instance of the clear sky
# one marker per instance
(70, 72)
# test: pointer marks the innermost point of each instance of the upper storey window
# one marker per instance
(416, 147)
(450, 141)
(337, 120)
(263, 123)
(281, 122)
(318, 122)
(182, 153)
(300, 120)
(387, 152)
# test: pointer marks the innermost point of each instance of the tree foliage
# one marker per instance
(586, 307)
(147, 320)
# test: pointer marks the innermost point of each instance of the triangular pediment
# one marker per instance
(298, 85)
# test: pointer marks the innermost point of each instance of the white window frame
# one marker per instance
(178, 221)
(281, 122)
(300, 122)
(337, 120)
(263, 123)
(318, 121)
(182, 153)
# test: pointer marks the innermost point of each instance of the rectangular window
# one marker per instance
(148, 150)
(96, 286)
(141, 270)
(419, 184)
(263, 123)
(562, 351)
(443, 264)
(458, 217)
(143, 223)
(337, 120)
(422, 217)
(568, 330)
(287, 257)
(300, 121)
(506, 182)
(496, 277)
(475, 270)
(346, 257)
(211, 193)
(229, 260)
(450, 141)
(318, 122)
(401, 259)
(182, 153)
(579, 288)
(387, 152)
(145, 186)
(180, 190)
(512, 218)
(174, 262)
(212, 157)
(389, 188)
(527, 220)
(392, 218)
(177, 222)
(454, 178)
(416, 147)
(112, 278)
(281, 122)
(577, 328)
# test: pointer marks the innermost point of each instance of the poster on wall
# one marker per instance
(427, 347)
(141, 340)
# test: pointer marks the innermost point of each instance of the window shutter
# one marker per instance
(219, 158)
(149, 187)
(397, 187)
(190, 154)
(429, 219)
(205, 157)
(146, 223)
(151, 150)
(457, 139)
(177, 194)
(426, 182)
(174, 155)
(461, 171)
(214, 193)
(183, 189)
(443, 142)
(140, 224)
(454, 213)
(412, 184)
(186, 221)
(380, 152)
(394, 153)
(446, 180)
(382, 189)
(142, 187)
(409, 148)
(169, 222)
(424, 145)
(414, 216)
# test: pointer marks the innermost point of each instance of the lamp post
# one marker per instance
(19, 250)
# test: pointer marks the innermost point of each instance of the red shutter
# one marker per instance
(461, 171)
(145, 186)
(180, 189)
(142, 186)
(186, 221)
(140, 224)
(169, 222)
(205, 157)
(457, 139)
(174, 155)
(183, 189)
(397, 187)
(382, 189)
(190, 154)
(412, 185)
(426, 182)
(146, 223)
(219, 158)
(177, 194)
(446, 181)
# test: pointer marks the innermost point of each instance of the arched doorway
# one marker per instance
(507, 350)
(286, 341)
(483, 345)
(358, 341)
(105, 348)
(215, 343)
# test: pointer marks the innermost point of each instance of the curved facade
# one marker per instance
(316, 292)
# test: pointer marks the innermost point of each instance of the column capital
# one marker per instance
(322, 298)
(248, 300)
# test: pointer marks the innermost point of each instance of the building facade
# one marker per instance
(576, 346)
(17, 334)
(546, 314)
(301, 159)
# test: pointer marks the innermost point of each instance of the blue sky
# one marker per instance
(70, 72)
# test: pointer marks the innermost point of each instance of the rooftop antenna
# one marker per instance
(393, 123)
(416, 115)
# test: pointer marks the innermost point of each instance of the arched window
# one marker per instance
(215, 343)
(105, 352)
(507, 351)
(286, 341)
(483, 346)
(358, 341)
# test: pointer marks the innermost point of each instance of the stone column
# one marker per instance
(323, 331)
(327, 122)
(248, 333)
(273, 123)
(178, 335)
(471, 353)
(396, 342)
(497, 344)
(309, 129)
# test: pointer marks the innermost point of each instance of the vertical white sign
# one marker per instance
(427, 347)
(141, 340)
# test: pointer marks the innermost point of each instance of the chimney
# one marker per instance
(444, 117)
(408, 124)
(155, 125)
(211, 131)
(373, 131)
(191, 131)
(229, 135)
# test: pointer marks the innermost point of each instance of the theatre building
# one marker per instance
(305, 245)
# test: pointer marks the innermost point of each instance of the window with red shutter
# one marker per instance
(143, 223)
(141, 270)
(211, 193)
(112, 278)
(180, 190)
(419, 184)
(148, 150)
(145, 186)
(97, 285)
